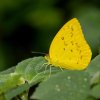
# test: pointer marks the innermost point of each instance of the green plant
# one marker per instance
(18, 82)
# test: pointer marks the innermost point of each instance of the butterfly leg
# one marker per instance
(61, 68)
(50, 71)
(46, 68)
(42, 66)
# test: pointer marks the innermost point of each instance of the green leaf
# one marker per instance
(94, 70)
(20, 68)
(32, 70)
(10, 70)
(9, 81)
(90, 98)
(35, 68)
(20, 90)
(16, 91)
(66, 85)
(95, 91)
(94, 66)
(95, 79)
(29, 68)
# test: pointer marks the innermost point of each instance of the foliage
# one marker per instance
(17, 82)
(28, 25)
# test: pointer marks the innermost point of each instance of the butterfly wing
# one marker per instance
(69, 48)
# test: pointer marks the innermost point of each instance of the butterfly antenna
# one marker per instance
(38, 52)
(49, 35)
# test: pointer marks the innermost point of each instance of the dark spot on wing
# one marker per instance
(62, 38)
(71, 50)
(72, 28)
(77, 63)
(64, 49)
(77, 45)
(65, 43)
(72, 43)
(81, 57)
(68, 27)
(71, 34)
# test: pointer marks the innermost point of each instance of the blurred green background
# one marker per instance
(30, 25)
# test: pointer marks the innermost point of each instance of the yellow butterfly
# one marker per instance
(69, 48)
